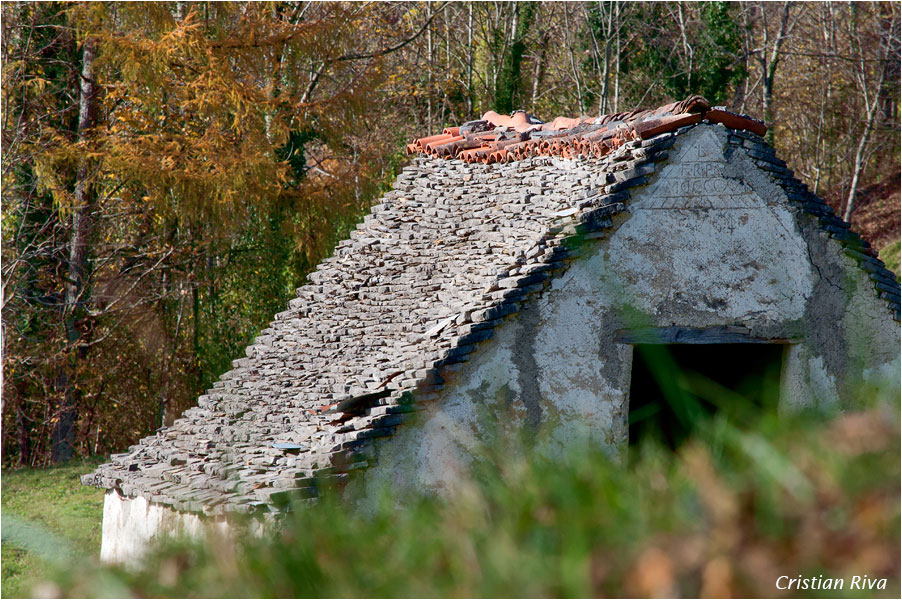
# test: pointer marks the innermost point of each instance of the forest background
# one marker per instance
(171, 171)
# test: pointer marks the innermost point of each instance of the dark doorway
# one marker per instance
(674, 386)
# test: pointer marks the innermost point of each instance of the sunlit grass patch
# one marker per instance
(54, 500)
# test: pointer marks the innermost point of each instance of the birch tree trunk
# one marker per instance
(539, 72)
(871, 101)
(687, 48)
(470, 61)
(76, 288)
(429, 57)
(573, 69)
(828, 29)
(618, 23)
(769, 63)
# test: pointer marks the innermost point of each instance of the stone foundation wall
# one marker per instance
(132, 525)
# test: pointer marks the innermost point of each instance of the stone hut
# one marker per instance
(510, 275)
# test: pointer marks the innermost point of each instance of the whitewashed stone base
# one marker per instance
(130, 525)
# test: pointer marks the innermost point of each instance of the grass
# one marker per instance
(734, 508)
(54, 500)
(745, 499)
(889, 254)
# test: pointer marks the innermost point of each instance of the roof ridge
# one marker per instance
(501, 139)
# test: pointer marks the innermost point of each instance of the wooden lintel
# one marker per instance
(694, 335)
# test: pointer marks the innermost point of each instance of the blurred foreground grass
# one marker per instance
(732, 510)
(54, 500)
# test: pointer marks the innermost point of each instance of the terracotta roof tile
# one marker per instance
(499, 138)
(736, 121)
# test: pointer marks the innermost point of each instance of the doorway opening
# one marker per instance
(675, 386)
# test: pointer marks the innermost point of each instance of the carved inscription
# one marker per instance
(690, 184)
(701, 169)
(695, 181)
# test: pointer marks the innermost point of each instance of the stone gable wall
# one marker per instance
(711, 241)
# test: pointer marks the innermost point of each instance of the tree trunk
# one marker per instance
(470, 62)
(76, 290)
(539, 73)
(602, 72)
(579, 90)
(871, 104)
(687, 48)
(22, 427)
(769, 69)
(747, 52)
(430, 56)
(617, 21)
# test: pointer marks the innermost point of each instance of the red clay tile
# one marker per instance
(519, 122)
(467, 155)
(561, 123)
(429, 147)
(518, 119)
(653, 127)
(421, 143)
(479, 154)
(500, 144)
(501, 138)
(440, 147)
(736, 121)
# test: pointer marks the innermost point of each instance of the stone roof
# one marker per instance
(447, 254)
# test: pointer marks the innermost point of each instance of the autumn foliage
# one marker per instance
(172, 170)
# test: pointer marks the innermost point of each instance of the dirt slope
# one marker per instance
(877, 209)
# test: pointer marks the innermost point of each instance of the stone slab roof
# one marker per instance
(445, 256)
